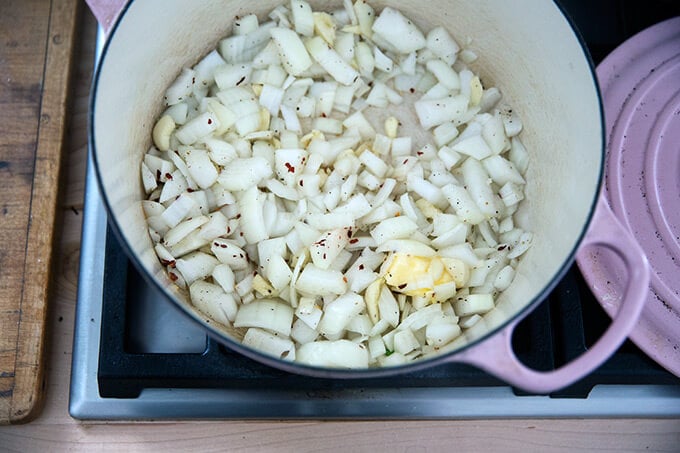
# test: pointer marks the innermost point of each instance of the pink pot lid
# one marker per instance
(640, 83)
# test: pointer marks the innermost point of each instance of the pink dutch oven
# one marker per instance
(527, 48)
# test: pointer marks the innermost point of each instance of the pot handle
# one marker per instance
(106, 11)
(496, 356)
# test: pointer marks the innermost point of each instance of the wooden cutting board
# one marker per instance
(36, 53)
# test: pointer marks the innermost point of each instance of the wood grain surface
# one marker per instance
(36, 54)
(54, 430)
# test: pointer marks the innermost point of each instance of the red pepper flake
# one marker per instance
(402, 286)
(238, 216)
(412, 90)
(323, 115)
(224, 246)
(168, 176)
(405, 162)
(190, 190)
(420, 153)
(302, 183)
(193, 80)
(361, 267)
(241, 233)
(324, 256)
(344, 279)
(353, 241)
(502, 247)
(173, 277)
(209, 120)
(289, 167)
(228, 229)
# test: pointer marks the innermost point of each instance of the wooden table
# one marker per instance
(54, 430)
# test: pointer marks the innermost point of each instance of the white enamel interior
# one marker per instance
(527, 48)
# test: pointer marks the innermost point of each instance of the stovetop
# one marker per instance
(136, 356)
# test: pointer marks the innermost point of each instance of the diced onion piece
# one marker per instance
(420, 318)
(474, 146)
(433, 112)
(178, 210)
(324, 26)
(405, 342)
(511, 194)
(201, 168)
(388, 307)
(319, 282)
(181, 88)
(468, 321)
(522, 245)
(302, 333)
(270, 344)
(292, 51)
(444, 74)
(473, 304)
(511, 122)
(224, 276)
(459, 270)
(494, 133)
(365, 16)
(365, 59)
(394, 228)
(463, 204)
(339, 313)
(148, 179)
(400, 32)
(197, 128)
(252, 215)
(243, 48)
(327, 247)
(331, 62)
(462, 252)
(441, 331)
(504, 278)
(231, 75)
(371, 298)
(478, 185)
(195, 266)
(213, 301)
(519, 155)
(267, 314)
(440, 43)
(309, 312)
(241, 174)
(302, 17)
(333, 354)
(502, 171)
(376, 347)
(182, 230)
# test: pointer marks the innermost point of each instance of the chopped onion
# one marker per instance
(266, 314)
(324, 231)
